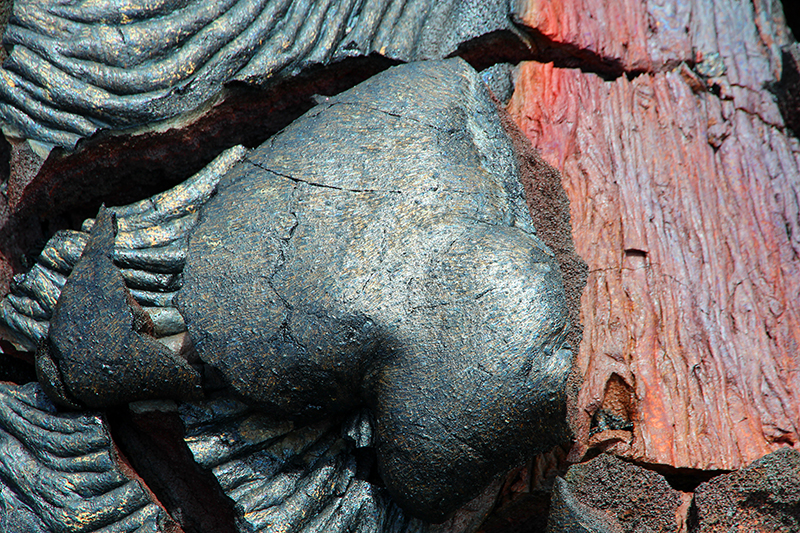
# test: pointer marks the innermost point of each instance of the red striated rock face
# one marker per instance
(637, 36)
(684, 190)
(613, 31)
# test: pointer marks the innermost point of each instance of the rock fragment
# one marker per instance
(380, 250)
(762, 497)
(609, 495)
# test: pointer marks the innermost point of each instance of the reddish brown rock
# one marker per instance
(763, 497)
(610, 31)
(685, 205)
(609, 495)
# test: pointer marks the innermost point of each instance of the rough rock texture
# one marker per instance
(96, 324)
(150, 434)
(568, 514)
(76, 68)
(762, 497)
(550, 210)
(408, 184)
(149, 249)
(60, 471)
(630, 36)
(619, 495)
(683, 187)
(317, 477)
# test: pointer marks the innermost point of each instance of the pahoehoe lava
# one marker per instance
(378, 252)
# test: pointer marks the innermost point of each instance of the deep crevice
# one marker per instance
(153, 443)
(567, 55)
(5, 165)
(681, 479)
(16, 366)
(634, 252)
(528, 44)
(787, 90)
(791, 11)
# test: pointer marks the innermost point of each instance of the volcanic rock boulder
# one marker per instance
(379, 250)
(378, 253)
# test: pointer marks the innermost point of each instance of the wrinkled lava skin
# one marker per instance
(379, 252)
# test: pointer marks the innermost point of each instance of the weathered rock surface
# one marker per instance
(61, 472)
(151, 435)
(608, 495)
(567, 514)
(149, 249)
(612, 37)
(683, 187)
(317, 477)
(387, 250)
(683, 180)
(135, 366)
(762, 497)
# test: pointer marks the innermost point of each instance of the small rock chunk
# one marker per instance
(762, 497)
(609, 495)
